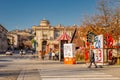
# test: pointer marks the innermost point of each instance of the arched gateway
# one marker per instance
(44, 43)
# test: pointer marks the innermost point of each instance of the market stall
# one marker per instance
(64, 38)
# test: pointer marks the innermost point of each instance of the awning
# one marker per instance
(64, 36)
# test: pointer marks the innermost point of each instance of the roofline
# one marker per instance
(3, 27)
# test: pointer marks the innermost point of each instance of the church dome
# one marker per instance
(44, 23)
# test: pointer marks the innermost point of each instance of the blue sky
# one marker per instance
(21, 14)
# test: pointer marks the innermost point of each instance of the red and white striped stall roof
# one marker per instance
(64, 36)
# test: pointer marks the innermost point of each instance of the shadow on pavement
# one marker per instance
(5, 60)
(78, 62)
(2, 66)
(9, 73)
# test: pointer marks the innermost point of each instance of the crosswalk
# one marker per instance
(82, 75)
(29, 75)
(65, 74)
(25, 68)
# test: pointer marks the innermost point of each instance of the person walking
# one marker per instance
(92, 59)
(53, 55)
(50, 54)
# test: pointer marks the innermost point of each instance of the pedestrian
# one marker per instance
(21, 52)
(53, 55)
(92, 59)
(57, 55)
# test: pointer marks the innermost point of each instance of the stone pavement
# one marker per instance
(31, 68)
(63, 72)
(28, 67)
(29, 75)
(88, 75)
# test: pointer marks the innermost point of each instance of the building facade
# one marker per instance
(46, 35)
(20, 38)
(13, 40)
(3, 39)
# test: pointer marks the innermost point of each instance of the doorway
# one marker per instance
(44, 43)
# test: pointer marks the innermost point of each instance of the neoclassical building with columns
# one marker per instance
(46, 35)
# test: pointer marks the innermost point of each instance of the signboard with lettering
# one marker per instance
(69, 50)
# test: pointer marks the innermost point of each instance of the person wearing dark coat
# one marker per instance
(92, 60)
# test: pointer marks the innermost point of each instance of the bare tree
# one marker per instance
(106, 21)
(104, 12)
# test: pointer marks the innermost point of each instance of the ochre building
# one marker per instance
(46, 35)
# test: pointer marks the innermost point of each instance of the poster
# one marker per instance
(98, 44)
(69, 50)
(98, 41)
(98, 55)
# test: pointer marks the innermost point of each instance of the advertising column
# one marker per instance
(98, 50)
(69, 57)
